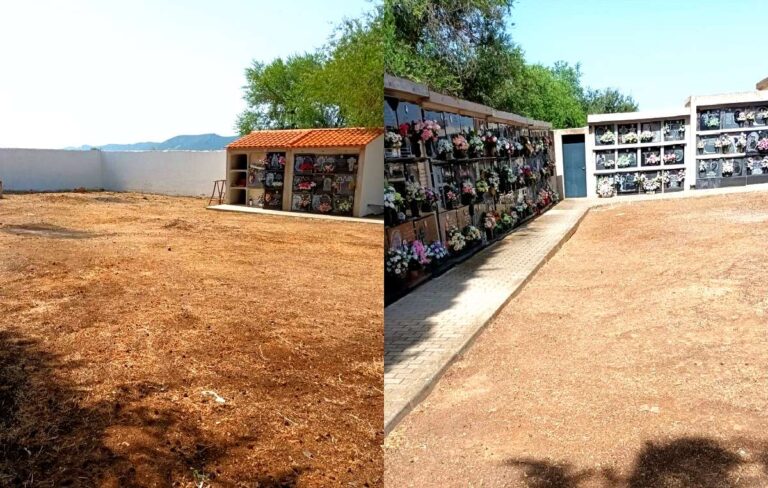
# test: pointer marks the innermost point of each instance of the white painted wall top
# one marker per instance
(728, 98)
(637, 116)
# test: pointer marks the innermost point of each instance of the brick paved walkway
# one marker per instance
(425, 330)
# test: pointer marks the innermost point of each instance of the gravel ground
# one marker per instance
(146, 341)
(635, 358)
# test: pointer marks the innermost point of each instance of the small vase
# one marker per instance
(466, 198)
(460, 154)
(426, 206)
(390, 217)
(416, 147)
(429, 148)
(415, 209)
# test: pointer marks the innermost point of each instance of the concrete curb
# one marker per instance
(453, 356)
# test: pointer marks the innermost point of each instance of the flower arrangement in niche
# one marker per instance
(741, 141)
(490, 141)
(414, 192)
(629, 138)
(456, 240)
(649, 184)
(467, 188)
(764, 163)
(419, 257)
(396, 262)
(504, 147)
(481, 187)
(306, 185)
(445, 148)
(741, 117)
(493, 179)
(669, 158)
(460, 145)
(451, 199)
(762, 145)
(750, 116)
(437, 251)
(608, 137)
(405, 130)
(727, 168)
(606, 187)
(763, 114)
(476, 145)
(609, 163)
(489, 222)
(472, 234)
(393, 140)
(343, 205)
(712, 122)
(703, 167)
(625, 161)
(430, 198)
(392, 199)
(652, 159)
(700, 144)
(426, 129)
(646, 136)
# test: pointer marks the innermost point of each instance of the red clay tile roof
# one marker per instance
(306, 138)
(354, 137)
(265, 139)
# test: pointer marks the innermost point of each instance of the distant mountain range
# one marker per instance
(202, 142)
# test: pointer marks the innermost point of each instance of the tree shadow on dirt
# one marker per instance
(48, 438)
(689, 462)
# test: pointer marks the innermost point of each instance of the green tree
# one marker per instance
(280, 96)
(352, 77)
(461, 47)
(341, 84)
(608, 100)
(541, 93)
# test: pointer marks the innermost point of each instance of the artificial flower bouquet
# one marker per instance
(456, 240)
(468, 193)
(460, 146)
(741, 141)
(494, 182)
(606, 187)
(608, 137)
(504, 147)
(445, 149)
(489, 221)
(669, 158)
(629, 138)
(652, 159)
(472, 235)
(647, 136)
(481, 187)
(426, 130)
(489, 141)
(393, 140)
(397, 261)
(418, 256)
(762, 145)
(728, 168)
(763, 114)
(712, 122)
(414, 192)
(476, 145)
(437, 252)
(392, 199)
(451, 197)
(430, 199)
(625, 161)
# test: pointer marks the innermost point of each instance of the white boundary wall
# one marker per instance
(188, 173)
(49, 169)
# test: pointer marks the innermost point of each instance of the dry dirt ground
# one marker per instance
(637, 357)
(125, 319)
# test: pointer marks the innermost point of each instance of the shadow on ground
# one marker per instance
(48, 438)
(688, 462)
(463, 274)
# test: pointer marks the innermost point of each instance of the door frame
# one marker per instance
(558, 134)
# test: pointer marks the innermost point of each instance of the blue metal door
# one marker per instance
(574, 166)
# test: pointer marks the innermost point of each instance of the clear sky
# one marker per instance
(97, 71)
(659, 51)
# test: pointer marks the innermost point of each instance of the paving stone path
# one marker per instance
(425, 330)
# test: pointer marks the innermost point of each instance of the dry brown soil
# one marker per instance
(124, 317)
(637, 357)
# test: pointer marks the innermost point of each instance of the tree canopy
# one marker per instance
(462, 47)
(341, 84)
